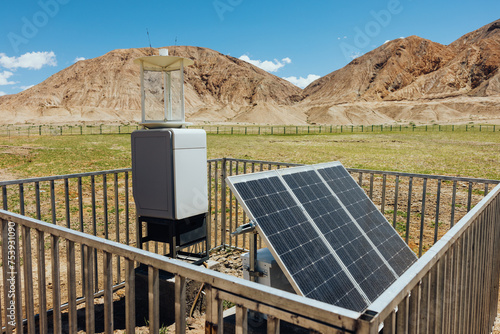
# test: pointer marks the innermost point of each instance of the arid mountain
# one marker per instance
(218, 88)
(442, 83)
(404, 80)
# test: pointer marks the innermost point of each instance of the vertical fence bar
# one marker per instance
(56, 285)
(180, 304)
(80, 220)
(154, 299)
(447, 310)
(53, 201)
(433, 298)
(273, 325)
(21, 199)
(414, 308)
(396, 193)
(360, 179)
(66, 202)
(371, 186)
(390, 324)
(384, 182)
(28, 279)
(88, 259)
(453, 199)
(108, 292)
(71, 284)
(438, 201)
(213, 315)
(463, 281)
(17, 279)
(127, 213)
(236, 209)
(4, 198)
(241, 320)
(230, 207)
(469, 197)
(5, 241)
(210, 199)
(216, 193)
(105, 204)
(424, 304)
(223, 196)
(422, 218)
(37, 200)
(244, 213)
(402, 316)
(42, 295)
(129, 296)
(408, 210)
(117, 224)
(94, 230)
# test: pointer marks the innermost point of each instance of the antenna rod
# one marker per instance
(149, 39)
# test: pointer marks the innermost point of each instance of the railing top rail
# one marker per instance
(264, 162)
(426, 176)
(307, 307)
(395, 173)
(285, 164)
(386, 302)
(62, 177)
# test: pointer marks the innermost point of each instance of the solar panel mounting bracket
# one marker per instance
(245, 228)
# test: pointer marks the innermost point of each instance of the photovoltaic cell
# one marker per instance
(369, 218)
(325, 233)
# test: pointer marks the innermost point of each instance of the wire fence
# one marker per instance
(67, 130)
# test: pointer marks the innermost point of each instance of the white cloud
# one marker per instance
(77, 59)
(267, 65)
(4, 76)
(355, 55)
(29, 60)
(26, 87)
(302, 82)
(387, 41)
(2, 93)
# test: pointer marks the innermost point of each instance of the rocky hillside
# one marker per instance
(218, 88)
(407, 79)
(414, 79)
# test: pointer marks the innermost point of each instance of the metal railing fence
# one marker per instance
(27, 295)
(67, 130)
(420, 207)
(453, 288)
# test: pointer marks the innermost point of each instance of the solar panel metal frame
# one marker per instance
(280, 173)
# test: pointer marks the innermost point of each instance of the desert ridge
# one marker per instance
(404, 80)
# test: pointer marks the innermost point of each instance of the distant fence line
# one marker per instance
(60, 130)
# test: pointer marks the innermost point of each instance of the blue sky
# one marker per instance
(291, 39)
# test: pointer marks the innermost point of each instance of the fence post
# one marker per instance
(223, 203)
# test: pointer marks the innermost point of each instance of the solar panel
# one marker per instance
(295, 244)
(369, 218)
(324, 233)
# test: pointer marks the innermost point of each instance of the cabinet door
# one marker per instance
(152, 173)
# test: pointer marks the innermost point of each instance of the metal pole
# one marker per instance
(143, 94)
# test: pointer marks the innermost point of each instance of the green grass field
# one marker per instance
(470, 154)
